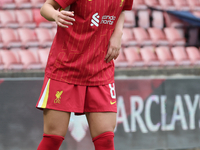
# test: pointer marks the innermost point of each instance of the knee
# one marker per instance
(113, 127)
(53, 130)
(109, 128)
(101, 122)
(102, 129)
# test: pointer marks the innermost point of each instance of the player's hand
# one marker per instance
(64, 18)
(114, 47)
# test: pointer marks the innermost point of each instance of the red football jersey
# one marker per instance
(77, 53)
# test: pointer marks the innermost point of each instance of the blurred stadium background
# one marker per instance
(161, 39)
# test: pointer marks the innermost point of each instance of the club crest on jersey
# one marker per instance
(58, 97)
(106, 19)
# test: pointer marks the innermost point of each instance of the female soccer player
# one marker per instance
(79, 76)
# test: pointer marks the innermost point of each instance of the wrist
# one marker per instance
(55, 14)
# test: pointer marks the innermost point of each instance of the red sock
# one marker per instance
(104, 141)
(50, 142)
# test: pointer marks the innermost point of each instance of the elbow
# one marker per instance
(41, 11)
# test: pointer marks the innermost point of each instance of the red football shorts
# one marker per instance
(66, 97)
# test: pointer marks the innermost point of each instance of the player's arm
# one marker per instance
(50, 12)
(115, 40)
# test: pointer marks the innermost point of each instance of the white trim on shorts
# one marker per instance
(44, 98)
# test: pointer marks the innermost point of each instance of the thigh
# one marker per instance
(55, 122)
(100, 122)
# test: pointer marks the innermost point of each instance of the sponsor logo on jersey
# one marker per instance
(95, 20)
(106, 19)
(121, 4)
(58, 97)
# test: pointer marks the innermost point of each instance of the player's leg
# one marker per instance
(102, 129)
(101, 111)
(64, 98)
(55, 128)
(101, 122)
(56, 122)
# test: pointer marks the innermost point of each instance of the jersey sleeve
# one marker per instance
(65, 3)
(128, 5)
